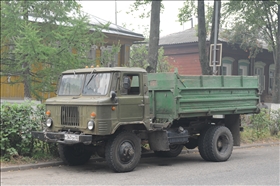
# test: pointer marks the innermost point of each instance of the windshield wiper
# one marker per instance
(92, 76)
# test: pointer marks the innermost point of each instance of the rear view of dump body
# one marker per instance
(173, 96)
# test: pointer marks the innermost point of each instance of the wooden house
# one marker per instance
(181, 50)
(115, 35)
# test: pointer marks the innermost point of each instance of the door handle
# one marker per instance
(141, 105)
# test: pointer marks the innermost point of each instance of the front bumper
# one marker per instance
(62, 137)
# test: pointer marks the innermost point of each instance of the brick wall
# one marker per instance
(184, 57)
(186, 64)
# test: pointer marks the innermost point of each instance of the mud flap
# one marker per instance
(158, 141)
(233, 123)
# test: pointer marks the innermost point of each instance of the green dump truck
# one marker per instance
(113, 112)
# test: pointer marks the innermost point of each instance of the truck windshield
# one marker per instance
(87, 84)
(96, 84)
(71, 84)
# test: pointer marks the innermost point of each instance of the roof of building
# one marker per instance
(186, 36)
(190, 36)
(113, 28)
(96, 21)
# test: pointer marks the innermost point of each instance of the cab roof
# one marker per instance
(105, 69)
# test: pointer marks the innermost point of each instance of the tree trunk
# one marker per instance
(154, 36)
(26, 82)
(276, 85)
(202, 38)
(26, 71)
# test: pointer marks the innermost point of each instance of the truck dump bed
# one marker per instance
(173, 96)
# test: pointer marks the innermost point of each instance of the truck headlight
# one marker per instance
(90, 124)
(49, 122)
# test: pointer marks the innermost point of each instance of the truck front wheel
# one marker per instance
(123, 151)
(74, 154)
(217, 144)
(174, 151)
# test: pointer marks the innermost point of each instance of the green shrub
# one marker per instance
(260, 122)
(16, 122)
(261, 126)
(274, 125)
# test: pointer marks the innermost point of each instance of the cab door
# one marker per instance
(131, 98)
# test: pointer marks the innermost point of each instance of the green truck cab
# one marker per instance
(113, 111)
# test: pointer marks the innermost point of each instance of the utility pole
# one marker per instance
(116, 12)
(215, 40)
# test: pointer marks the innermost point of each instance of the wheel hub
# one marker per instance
(126, 152)
(219, 144)
(222, 143)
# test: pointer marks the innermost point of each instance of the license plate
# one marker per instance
(71, 137)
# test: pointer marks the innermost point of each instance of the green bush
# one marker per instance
(261, 126)
(261, 122)
(274, 125)
(16, 122)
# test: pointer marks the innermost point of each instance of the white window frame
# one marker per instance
(243, 64)
(271, 77)
(92, 52)
(227, 64)
(259, 70)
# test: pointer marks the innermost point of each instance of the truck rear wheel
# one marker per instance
(218, 144)
(202, 145)
(74, 154)
(174, 151)
(123, 151)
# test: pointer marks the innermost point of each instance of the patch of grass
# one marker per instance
(21, 160)
(251, 135)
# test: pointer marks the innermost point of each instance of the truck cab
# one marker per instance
(97, 101)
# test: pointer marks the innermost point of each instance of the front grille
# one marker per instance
(69, 116)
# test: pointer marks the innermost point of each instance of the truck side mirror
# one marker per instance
(126, 83)
(113, 95)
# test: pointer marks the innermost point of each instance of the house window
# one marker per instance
(259, 71)
(92, 52)
(108, 57)
(271, 77)
(226, 68)
(243, 67)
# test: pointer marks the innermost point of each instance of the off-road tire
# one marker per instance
(202, 145)
(218, 143)
(174, 151)
(74, 154)
(123, 151)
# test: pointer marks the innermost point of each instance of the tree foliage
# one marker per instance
(255, 26)
(154, 14)
(139, 58)
(144, 5)
(39, 39)
(188, 10)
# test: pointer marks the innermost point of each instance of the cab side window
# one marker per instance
(134, 84)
